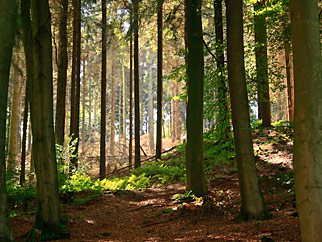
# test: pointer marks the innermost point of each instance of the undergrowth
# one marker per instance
(217, 153)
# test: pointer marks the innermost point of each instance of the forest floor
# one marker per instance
(145, 214)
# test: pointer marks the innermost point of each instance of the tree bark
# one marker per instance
(112, 138)
(137, 161)
(124, 101)
(196, 179)
(150, 105)
(159, 82)
(75, 87)
(252, 202)
(223, 124)
(62, 74)
(131, 93)
(14, 122)
(24, 139)
(307, 119)
(264, 107)
(103, 96)
(41, 106)
(8, 22)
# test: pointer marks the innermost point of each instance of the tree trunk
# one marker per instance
(137, 162)
(196, 179)
(112, 138)
(159, 83)
(252, 202)
(290, 86)
(124, 101)
(307, 119)
(14, 122)
(41, 107)
(264, 107)
(28, 50)
(75, 88)
(24, 138)
(223, 125)
(83, 105)
(8, 20)
(131, 94)
(150, 105)
(103, 96)
(62, 74)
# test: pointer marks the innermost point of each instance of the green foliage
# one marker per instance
(218, 151)
(18, 194)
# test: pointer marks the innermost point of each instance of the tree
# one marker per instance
(137, 162)
(307, 119)
(103, 95)
(131, 91)
(14, 121)
(8, 22)
(75, 87)
(223, 119)
(264, 112)
(41, 107)
(252, 201)
(150, 103)
(62, 74)
(196, 180)
(159, 82)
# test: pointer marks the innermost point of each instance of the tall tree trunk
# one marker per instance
(124, 101)
(196, 179)
(41, 107)
(24, 138)
(177, 118)
(14, 122)
(84, 104)
(150, 105)
(137, 162)
(75, 88)
(103, 96)
(290, 86)
(252, 202)
(223, 119)
(62, 74)
(28, 50)
(131, 93)
(264, 107)
(8, 21)
(159, 82)
(112, 138)
(307, 120)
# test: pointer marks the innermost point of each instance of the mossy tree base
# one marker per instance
(46, 233)
(244, 216)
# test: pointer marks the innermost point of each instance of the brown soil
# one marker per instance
(141, 215)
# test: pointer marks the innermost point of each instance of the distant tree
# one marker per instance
(222, 92)
(151, 103)
(14, 120)
(75, 86)
(131, 91)
(24, 139)
(103, 96)
(196, 179)
(137, 162)
(305, 26)
(252, 201)
(263, 99)
(62, 73)
(8, 22)
(159, 81)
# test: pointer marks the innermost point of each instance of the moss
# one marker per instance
(243, 216)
